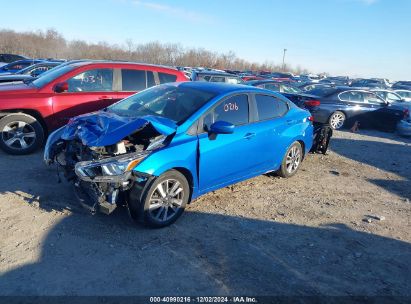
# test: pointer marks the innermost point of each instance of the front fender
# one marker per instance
(177, 155)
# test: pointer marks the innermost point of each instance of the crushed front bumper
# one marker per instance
(105, 193)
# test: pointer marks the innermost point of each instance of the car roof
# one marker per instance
(89, 62)
(217, 87)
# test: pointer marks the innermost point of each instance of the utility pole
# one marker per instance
(285, 50)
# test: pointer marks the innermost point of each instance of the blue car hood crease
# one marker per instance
(102, 128)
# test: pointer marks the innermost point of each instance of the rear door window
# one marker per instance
(97, 80)
(372, 98)
(352, 96)
(133, 80)
(270, 107)
(164, 77)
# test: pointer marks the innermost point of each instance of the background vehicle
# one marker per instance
(18, 65)
(212, 76)
(402, 85)
(173, 143)
(369, 83)
(9, 58)
(405, 94)
(340, 106)
(28, 73)
(29, 110)
(296, 95)
(337, 80)
(313, 85)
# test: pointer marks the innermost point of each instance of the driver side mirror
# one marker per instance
(221, 127)
(61, 87)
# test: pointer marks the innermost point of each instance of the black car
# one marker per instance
(369, 83)
(402, 85)
(313, 85)
(343, 106)
(336, 80)
(213, 76)
(29, 73)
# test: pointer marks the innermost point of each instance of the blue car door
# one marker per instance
(227, 158)
(273, 129)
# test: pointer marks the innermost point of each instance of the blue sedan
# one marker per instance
(157, 150)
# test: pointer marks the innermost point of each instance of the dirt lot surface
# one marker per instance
(314, 234)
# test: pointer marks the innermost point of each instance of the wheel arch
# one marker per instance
(30, 112)
(189, 177)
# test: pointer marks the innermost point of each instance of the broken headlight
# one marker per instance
(113, 166)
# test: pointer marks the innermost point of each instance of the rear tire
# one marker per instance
(291, 161)
(164, 200)
(337, 120)
(20, 134)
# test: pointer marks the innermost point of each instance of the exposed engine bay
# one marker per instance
(102, 175)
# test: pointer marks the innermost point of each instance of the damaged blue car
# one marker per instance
(159, 149)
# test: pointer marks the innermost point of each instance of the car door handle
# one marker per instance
(290, 122)
(105, 97)
(249, 135)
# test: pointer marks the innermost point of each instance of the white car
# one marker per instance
(405, 94)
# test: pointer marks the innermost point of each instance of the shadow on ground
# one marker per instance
(394, 157)
(210, 254)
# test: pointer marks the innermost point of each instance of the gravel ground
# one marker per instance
(317, 233)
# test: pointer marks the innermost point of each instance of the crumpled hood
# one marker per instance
(105, 128)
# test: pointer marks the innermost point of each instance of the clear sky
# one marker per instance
(364, 38)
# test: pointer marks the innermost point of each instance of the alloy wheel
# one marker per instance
(166, 200)
(18, 135)
(293, 159)
(337, 120)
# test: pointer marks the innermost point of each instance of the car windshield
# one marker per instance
(50, 75)
(173, 102)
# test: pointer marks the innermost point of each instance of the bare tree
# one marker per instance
(50, 43)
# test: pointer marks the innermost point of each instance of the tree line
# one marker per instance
(52, 44)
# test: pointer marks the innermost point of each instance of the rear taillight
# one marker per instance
(312, 103)
(310, 118)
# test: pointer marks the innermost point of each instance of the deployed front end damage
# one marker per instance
(98, 152)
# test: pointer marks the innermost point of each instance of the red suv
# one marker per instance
(28, 111)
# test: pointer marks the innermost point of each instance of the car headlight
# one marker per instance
(113, 166)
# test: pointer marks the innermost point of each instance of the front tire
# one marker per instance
(291, 161)
(337, 120)
(20, 134)
(164, 201)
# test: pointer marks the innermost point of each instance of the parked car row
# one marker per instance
(30, 110)
(51, 92)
